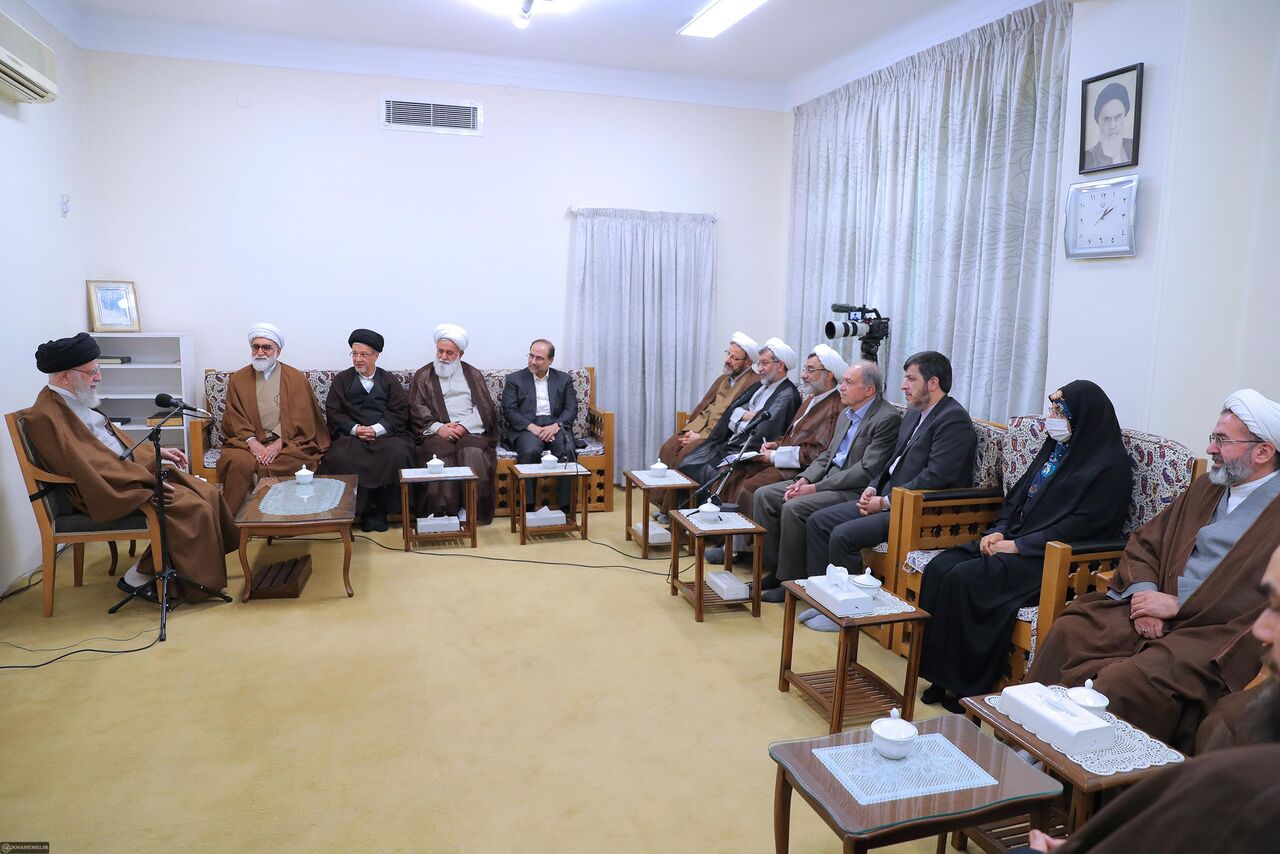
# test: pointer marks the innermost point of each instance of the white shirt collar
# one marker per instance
(1237, 494)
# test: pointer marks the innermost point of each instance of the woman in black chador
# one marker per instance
(1077, 489)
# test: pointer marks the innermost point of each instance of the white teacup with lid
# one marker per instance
(658, 469)
(865, 580)
(549, 460)
(892, 737)
(710, 512)
(304, 476)
(1088, 698)
(435, 465)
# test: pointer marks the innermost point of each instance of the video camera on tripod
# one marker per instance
(863, 323)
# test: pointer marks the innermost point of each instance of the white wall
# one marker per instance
(1172, 331)
(44, 258)
(235, 193)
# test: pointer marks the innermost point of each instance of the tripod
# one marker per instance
(167, 573)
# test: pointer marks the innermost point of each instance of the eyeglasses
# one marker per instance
(264, 348)
(729, 353)
(1220, 440)
(538, 359)
(805, 369)
(96, 372)
(355, 354)
(766, 362)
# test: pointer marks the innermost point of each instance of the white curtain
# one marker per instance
(642, 310)
(927, 190)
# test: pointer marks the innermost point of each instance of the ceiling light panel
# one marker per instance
(719, 16)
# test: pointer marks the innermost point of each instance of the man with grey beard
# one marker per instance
(1170, 637)
(73, 439)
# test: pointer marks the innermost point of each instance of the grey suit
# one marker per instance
(520, 406)
(784, 521)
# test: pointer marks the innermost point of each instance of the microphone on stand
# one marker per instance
(168, 400)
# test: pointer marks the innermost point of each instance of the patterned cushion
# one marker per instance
(986, 468)
(1030, 615)
(883, 548)
(1161, 467)
(917, 560)
(215, 396)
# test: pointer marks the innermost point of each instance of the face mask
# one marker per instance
(1058, 428)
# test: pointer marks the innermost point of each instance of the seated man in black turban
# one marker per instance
(368, 417)
(74, 439)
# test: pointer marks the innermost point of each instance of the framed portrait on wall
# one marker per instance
(1110, 119)
(113, 307)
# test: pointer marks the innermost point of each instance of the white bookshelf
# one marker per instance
(160, 362)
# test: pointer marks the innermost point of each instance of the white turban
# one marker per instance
(454, 333)
(747, 343)
(266, 330)
(781, 351)
(1260, 415)
(831, 360)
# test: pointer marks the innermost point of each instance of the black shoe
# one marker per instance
(775, 595)
(770, 582)
(146, 591)
(380, 522)
(933, 695)
(951, 704)
(366, 523)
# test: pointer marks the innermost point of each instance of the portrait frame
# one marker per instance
(1093, 157)
(113, 306)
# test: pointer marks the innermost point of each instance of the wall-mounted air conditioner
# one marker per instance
(27, 71)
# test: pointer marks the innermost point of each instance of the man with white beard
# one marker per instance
(73, 439)
(452, 417)
(272, 425)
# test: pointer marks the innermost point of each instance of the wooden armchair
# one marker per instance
(59, 521)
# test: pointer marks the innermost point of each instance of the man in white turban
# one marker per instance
(1171, 635)
(272, 425)
(453, 418)
(759, 414)
(736, 378)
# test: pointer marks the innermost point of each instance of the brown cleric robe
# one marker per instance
(1244, 718)
(377, 463)
(702, 420)
(301, 427)
(810, 430)
(1168, 685)
(200, 530)
(477, 451)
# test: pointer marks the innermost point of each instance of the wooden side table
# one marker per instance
(575, 514)
(698, 593)
(1084, 788)
(1020, 790)
(850, 690)
(641, 479)
(409, 520)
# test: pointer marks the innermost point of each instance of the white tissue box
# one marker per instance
(843, 600)
(658, 535)
(727, 586)
(545, 518)
(1057, 720)
(438, 524)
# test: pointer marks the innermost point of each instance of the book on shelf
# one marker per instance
(114, 360)
(159, 418)
(120, 419)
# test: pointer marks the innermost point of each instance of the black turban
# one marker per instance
(368, 337)
(1112, 92)
(66, 353)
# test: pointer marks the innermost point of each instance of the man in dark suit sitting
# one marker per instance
(935, 450)
(540, 405)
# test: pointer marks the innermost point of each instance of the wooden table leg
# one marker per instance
(913, 671)
(675, 556)
(788, 640)
(758, 544)
(841, 676)
(585, 494)
(346, 559)
(1080, 809)
(405, 521)
(512, 483)
(627, 533)
(472, 487)
(699, 544)
(244, 564)
(782, 813)
(524, 515)
(644, 523)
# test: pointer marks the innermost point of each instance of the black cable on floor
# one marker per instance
(154, 641)
(31, 581)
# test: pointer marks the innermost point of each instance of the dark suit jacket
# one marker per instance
(868, 455)
(941, 455)
(520, 402)
(781, 403)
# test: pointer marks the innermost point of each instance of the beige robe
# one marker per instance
(479, 452)
(702, 420)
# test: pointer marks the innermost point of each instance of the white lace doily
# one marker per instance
(290, 498)
(708, 522)
(886, 603)
(934, 765)
(1134, 749)
(671, 478)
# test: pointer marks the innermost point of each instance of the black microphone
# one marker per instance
(169, 401)
(757, 421)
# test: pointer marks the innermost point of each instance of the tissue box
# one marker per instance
(438, 525)
(727, 586)
(841, 600)
(1056, 719)
(545, 518)
(658, 535)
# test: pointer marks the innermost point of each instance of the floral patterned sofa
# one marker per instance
(592, 426)
(1162, 470)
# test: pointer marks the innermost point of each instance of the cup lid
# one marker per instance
(304, 470)
(865, 579)
(894, 726)
(546, 454)
(1087, 695)
(658, 465)
(709, 508)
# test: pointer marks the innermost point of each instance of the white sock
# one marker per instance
(134, 577)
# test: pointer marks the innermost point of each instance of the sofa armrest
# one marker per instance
(682, 418)
(197, 445)
(1066, 568)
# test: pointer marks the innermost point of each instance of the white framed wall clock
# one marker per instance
(1101, 218)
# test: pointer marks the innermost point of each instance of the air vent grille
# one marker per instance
(463, 117)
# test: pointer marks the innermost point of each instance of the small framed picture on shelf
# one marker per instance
(113, 307)
(1110, 119)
